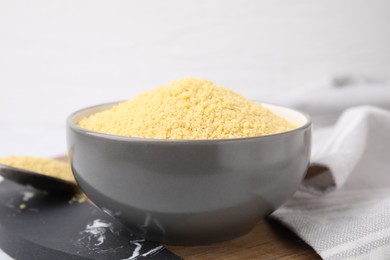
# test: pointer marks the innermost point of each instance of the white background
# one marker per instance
(60, 56)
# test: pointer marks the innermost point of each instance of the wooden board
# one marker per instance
(268, 240)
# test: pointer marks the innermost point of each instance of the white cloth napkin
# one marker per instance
(344, 213)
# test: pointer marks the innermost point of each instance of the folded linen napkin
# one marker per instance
(344, 212)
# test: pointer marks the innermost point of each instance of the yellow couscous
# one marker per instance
(40, 165)
(187, 109)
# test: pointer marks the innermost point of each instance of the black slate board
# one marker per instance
(50, 227)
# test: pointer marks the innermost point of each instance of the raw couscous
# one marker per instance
(187, 109)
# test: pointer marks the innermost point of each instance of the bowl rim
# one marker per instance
(73, 126)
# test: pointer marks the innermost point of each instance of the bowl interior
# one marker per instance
(293, 116)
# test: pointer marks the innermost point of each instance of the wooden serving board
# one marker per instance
(268, 240)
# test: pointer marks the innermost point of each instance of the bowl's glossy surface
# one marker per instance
(194, 191)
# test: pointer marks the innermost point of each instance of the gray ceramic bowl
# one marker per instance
(189, 191)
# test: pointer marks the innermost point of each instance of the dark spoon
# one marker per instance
(39, 181)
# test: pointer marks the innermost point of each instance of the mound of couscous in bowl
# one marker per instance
(187, 109)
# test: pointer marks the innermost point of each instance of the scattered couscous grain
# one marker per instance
(40, 165)
(187, 109)
(79, 197)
